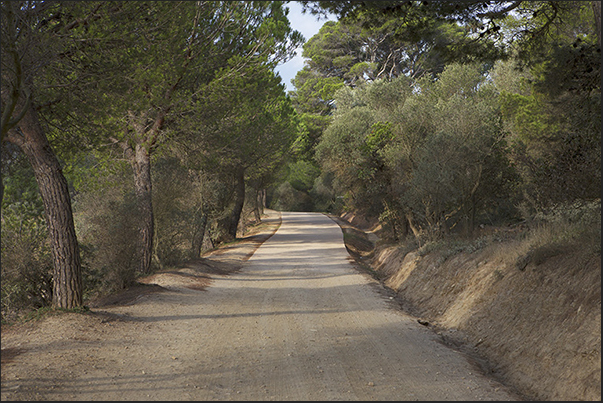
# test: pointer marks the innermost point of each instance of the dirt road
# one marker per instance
(297, 322)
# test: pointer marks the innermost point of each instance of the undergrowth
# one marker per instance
(562, 228)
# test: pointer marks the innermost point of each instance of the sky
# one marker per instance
(308, 25)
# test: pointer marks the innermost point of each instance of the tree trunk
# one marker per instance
(444, 228)
(239, 202)
(257, 208)
(597, 13)
(391, 218)
(470, 216)
(403, 227)
(262, 200)
(200, 225)
(412, 227)
(141, 166)
(67, 270)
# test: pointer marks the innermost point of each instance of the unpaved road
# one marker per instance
(298, 322)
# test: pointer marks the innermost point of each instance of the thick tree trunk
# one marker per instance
(141, 166)
(239, 202)
(67, 273)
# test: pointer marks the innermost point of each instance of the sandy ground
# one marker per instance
(296, 321)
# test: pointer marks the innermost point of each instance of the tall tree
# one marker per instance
(30, 47)
(551, 104)
(352, 51)
(248, 126)
(484, 20)
(147, 61)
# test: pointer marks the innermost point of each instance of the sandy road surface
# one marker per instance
(298, 322)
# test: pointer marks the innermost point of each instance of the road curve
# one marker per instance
(307, 325)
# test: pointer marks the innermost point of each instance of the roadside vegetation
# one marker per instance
(412, 122)
(137, 135)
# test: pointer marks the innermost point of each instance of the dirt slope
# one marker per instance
(534, 323)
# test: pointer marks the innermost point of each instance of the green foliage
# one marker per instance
(26, 260)
(352, 146)
(310, 130)
(25, 251)
(107, 227)
(324, 196)
(286, 198)
(380, 135)
(314, 92)
(432, 150)
(246, 121)
(302, 175)
(387, 47)
(174, 205)
(19, 183)
(527, 116)
(439, 155)
(295, 183)
(463, 166)
(554, 119)
(496, 25)
(351, 53)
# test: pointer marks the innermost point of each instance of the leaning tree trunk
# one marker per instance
(140, 161)
(67, 269)
(239, 202)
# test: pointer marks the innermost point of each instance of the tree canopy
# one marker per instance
(523, 123)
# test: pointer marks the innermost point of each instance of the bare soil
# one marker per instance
(39, 357)
(531, 320)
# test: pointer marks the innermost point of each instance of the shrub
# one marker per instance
(26, 260)
(107, 231)
(287, 198)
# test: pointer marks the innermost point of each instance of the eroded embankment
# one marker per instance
(537, 323)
